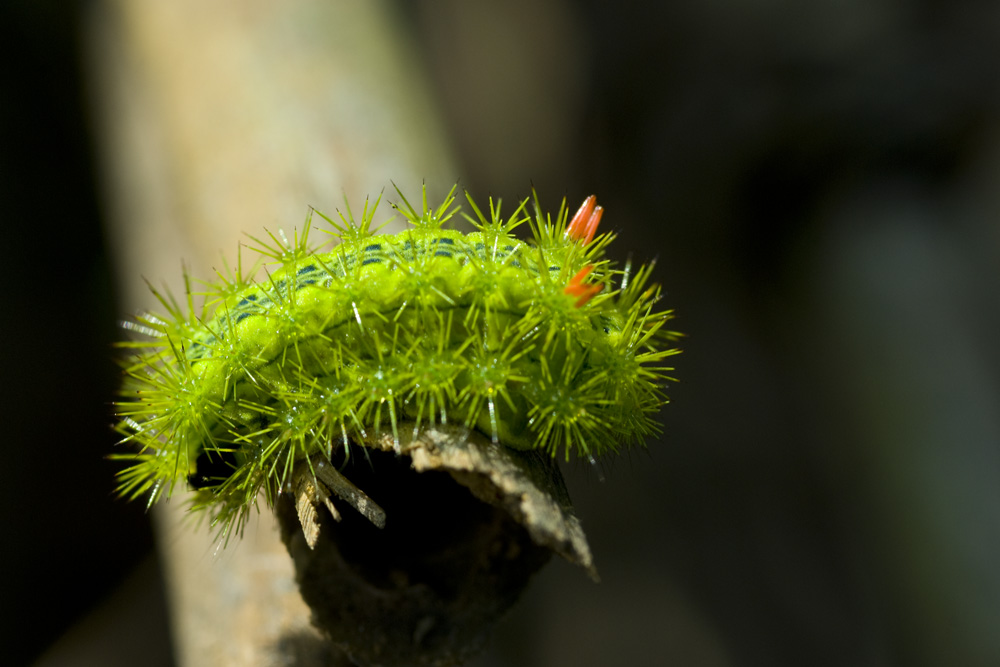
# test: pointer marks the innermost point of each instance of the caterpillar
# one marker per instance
(538, 344)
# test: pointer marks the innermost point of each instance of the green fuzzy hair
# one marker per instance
(426, 326)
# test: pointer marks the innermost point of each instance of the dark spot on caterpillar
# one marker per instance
(446, 241)
(241, 317)
(508, 248)
(306, 269)
(553, 268)
(311, 281)
(212, 468)
(480, 245)
(246, 300)
(371, 260)
(442, 253)
(407, 252)
(373, 246)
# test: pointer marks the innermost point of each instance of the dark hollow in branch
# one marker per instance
(426, 589)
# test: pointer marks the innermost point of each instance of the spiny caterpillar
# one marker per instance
(531, 343)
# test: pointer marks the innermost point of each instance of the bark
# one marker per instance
(461, 526)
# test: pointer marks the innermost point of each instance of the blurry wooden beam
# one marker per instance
(220, 118)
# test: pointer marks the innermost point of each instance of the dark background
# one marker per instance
(819, 184)
(66, 542)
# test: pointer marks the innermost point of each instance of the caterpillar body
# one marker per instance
(530, 342)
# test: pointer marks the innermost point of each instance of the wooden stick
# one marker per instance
(218, 118)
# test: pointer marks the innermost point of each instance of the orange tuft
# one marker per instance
(583, 226)
(581, 290)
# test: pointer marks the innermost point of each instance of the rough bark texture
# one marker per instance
(467, 523)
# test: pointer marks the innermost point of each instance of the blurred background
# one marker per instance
(818, 183)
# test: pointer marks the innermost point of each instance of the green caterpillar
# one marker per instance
(528, 342)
